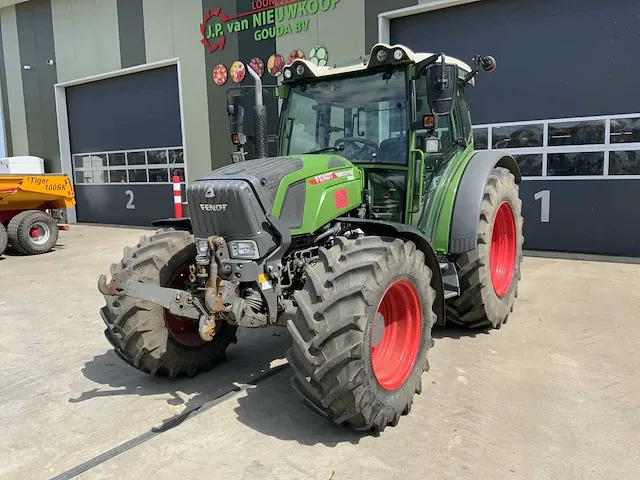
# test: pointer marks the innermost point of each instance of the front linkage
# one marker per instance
(217, 278)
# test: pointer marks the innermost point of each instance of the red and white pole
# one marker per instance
(177, 197)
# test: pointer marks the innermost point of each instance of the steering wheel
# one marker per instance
(367, 145)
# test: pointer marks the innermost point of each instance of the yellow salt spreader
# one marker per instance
(33, 210)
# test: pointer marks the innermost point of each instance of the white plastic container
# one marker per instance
(25, 165)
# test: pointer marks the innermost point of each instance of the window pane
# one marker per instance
(179, 172)
(585, 163)
(136, 158)
(92, 176)
(577, 133)
(480, 138)
(138, 175)
(624, 163)
(625, 130)
(118, 176)
(518, 136)
(530, 165)
(158, 175)
(176, 156)
(82, 161)
(117, 159)
(157, 157)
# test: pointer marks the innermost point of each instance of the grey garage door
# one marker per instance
(126, 143)
(563, 101)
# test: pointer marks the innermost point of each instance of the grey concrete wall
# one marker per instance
(92, 37)
(171, 31)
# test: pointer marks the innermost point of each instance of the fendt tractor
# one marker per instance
(376, 221)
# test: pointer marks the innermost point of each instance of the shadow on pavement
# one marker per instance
(274, 409)
(271, 407)
(456, 332)
(250, 357)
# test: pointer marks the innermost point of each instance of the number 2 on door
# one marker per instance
(545, 196)
(130, 204)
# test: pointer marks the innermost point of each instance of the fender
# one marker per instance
(177, 223)
(407, 232)
(466, 207)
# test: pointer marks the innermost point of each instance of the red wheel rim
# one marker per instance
(502, 256)
(184, 331)
(34, 232)
(395, 354)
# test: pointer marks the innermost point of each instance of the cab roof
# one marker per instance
(369, 62)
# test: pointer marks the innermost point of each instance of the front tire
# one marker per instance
(490, 273)
(144, 334)
(362, 331)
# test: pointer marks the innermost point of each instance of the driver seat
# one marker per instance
(393, 150)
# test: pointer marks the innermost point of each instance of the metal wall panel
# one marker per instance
(216, 99)
(15, 93)
(4, 103)
(371, 10)
(566, 58)
(131, 31)
(35, 34)
(86, 37)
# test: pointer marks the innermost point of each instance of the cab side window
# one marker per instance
(464, 117)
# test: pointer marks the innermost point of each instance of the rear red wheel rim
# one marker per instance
(183, 331)
(395, 354)
(502, 255)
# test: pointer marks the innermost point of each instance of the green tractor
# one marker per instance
(376, 221)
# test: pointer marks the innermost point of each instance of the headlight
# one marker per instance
(244, 249)
(381, 56)
(300, 70)
(398, 54)
(287, 73)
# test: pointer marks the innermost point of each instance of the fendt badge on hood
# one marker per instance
(213, 207)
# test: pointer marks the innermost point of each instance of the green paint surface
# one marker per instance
(323, 186)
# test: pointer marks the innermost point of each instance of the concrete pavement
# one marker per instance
(552, 395)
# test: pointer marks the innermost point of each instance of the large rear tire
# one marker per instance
(144, 334)
(362, 331)
(4, 239)
(490, 273)
(32, 232)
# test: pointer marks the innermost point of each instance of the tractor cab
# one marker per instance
(382, 115)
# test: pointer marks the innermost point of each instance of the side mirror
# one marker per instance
(442, 87)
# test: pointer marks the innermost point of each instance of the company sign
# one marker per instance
(267, 19)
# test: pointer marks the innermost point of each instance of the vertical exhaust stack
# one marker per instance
(259, 118)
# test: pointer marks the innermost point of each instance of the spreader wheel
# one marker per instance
(32, 232)
(489, 274)
(4, 239)
(362, 331)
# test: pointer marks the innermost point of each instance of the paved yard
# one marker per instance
(552, 395)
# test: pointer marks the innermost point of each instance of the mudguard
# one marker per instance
(407, 232)
(466, 207)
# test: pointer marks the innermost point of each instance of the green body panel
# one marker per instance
(443, 208)
(325, 188)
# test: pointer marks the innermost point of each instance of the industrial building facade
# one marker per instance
(125, 94)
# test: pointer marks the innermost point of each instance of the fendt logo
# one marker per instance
(213, 207)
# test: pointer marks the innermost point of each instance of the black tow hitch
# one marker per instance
(177, 302)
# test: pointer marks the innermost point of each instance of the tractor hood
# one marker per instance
(305, 191)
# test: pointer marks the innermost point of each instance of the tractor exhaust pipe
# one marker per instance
(259, 118)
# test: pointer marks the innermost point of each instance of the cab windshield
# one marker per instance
(362, 118)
